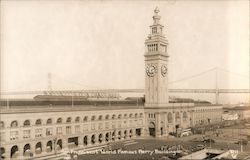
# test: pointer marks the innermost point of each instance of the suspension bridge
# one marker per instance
(115, 93)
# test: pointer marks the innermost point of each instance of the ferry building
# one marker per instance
(39, 131)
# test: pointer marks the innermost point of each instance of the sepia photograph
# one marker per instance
(124, 80)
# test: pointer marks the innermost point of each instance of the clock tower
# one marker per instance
(156, 68)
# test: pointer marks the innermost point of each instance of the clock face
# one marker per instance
(164, 70)
(151, 70)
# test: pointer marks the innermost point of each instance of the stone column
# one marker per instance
(181, 119)
(7, 152)
(80, 141)
(65, 143)
(20, 150)
(122, 135)
(89, 140)
(173, 113)
(157, 125)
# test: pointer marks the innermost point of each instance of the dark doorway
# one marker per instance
(85, 140)
(93, 139)
(100, 138)
(107, 137)
(59, 144)
(125, 134)
(152, 129)
(38, 148)
(26, 149)
(152, 132)
(119, 135)
(2, 153)
(161, 131)
(138, 131)
(49, 146)
(113, 136)
(14, 149)
(73, 140)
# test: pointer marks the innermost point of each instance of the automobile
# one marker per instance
(200, 146)
(244, 142)
(209, 140)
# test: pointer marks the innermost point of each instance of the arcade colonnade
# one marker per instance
(42, 132)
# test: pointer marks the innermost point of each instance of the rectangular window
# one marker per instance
(13, 135)
(130, 123)
(92, 126)
(85, 127)
(77, 129)
(154, 30)
(49, 131)
(38, 132)
(26, 134)
(100, 126)
(124, 123)
(68, 129)
(113, 125)
(107, 125)
(119, 124)
(59, 130)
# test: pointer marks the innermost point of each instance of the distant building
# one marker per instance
(230, 116)
(243, 112)
(39, 128)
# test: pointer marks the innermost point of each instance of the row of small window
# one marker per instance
(59, 130)
(170, 116)
(152, 47)
(207, 110)
(69, 120)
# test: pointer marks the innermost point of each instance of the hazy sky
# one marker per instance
(100, 44)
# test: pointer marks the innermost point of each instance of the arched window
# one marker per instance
(92, 118)
(49, 121)
(13, 151)
(77, 120)
(26, 123)
(26, 149)
(38, 148)
(136, 115)
(38, 122)
(125, 115)
(107, 116)
(14, 124)
(85, 118)
(119, 116)
(2, 152)
(113, 116)
(170, 118)
(68, 120)
(100, 117)
(59, 120)
(141, 114)
(1, 124)
(130, 115)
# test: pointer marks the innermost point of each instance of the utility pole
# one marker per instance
(50, 83)
(72, 100)
(216, 86)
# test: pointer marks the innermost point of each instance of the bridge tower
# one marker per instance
(156, 65)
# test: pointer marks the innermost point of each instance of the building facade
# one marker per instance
(38, 132)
